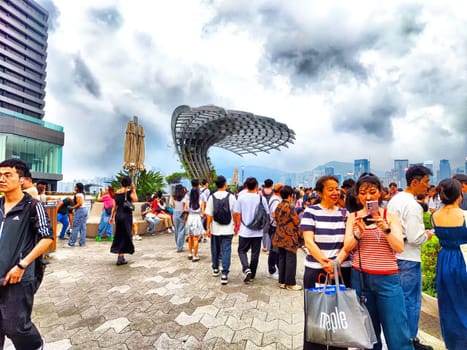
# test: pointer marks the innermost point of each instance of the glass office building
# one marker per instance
(23, 54)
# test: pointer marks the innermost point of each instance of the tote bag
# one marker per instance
(335, 317)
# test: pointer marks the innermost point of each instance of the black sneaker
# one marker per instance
(121, 261)
(224, 279)
(419, 346)
(215, 272)
(247, 276)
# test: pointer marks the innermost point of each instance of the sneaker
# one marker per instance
(110, 239)
(419, 346)
(195, 258)
(68, 246)
(137, 237)
(98, 239)
(215, 272)
(121, 261)
(295, 287)
(247, 276)
(169, 230)
(190, 257)
(274, 275)
(224, 279)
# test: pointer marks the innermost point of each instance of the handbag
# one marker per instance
(127, 204)
(335, 317)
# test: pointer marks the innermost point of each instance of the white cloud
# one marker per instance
(340, 74)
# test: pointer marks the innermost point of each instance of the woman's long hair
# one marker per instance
(179, 192)
(194, 198)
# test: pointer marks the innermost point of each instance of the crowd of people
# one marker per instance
(374, 233)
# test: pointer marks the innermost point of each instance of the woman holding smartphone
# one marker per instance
(374, 235)
(323, 227)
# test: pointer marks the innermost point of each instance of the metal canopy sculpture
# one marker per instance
(194, 130)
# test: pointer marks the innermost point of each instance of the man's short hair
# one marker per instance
(268, 183)
(392, 184)
(220, 181)
(194, 183)
(204, 182)
(251, 183)
(416, 172)
(21, 167)
(462, 178)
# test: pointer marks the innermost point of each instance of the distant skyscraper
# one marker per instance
(360, 166)
(444, 169)
(329, 170)
(400, 167)
(429, 165)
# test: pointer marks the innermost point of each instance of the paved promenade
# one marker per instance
(161, 300)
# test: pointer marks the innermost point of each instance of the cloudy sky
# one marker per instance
(353, 79)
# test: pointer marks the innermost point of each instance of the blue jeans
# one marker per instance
(79, 226)
(63, 218)
(410, 273)
(385, 303)
(152, 221)
(179, 226)
(221, 245)
(104, 225)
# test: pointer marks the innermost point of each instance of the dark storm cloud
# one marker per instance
(54, 13)
(369, 116)
(84, 77)
(109, 17)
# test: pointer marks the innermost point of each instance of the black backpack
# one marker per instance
(221, 212)
(261, 218)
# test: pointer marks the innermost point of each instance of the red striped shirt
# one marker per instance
(377, 255)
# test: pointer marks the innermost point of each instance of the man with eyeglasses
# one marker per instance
(25, 234)
(410, 214)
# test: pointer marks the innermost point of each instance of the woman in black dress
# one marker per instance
(123, 219)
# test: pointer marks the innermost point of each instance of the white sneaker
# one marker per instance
(274, 275)
(137, 238)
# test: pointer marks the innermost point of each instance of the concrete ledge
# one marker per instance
(94, 217)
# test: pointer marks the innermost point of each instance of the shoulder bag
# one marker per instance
(127, 204)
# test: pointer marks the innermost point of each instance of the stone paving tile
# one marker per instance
(250, 334)
(163, 301)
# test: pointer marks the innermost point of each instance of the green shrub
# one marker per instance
(430, 252)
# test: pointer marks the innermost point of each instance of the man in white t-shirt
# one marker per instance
(221, 233)
(410, 214)
(244, 214)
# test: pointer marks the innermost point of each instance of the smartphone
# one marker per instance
(372, 207)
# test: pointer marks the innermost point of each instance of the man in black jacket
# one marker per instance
(25, 234)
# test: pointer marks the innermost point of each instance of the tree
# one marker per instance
(147, 182)
(175, 177)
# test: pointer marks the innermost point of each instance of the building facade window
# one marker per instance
(40, 156)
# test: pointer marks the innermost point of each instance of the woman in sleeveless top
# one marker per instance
(451, 274)
(374, 235)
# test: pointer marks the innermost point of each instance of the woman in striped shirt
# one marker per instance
(374, 235)
(323, 227)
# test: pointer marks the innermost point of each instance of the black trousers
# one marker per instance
(310, 277)
(287, 267)
(244, 245)
(16, 301)
(272, 257)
